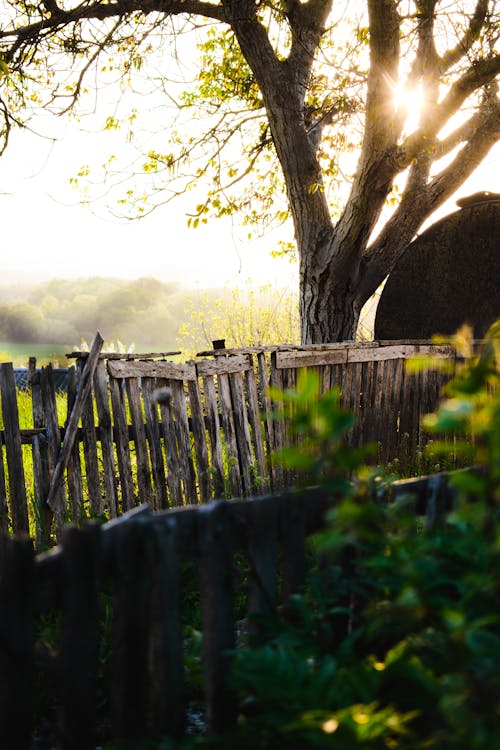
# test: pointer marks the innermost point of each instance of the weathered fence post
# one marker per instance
(80, 636)
(72, 426)
(217, 613)
(166, 657)
(133, 581)
(13, 447)
(17, 595)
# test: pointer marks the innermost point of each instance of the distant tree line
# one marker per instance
(147, 313)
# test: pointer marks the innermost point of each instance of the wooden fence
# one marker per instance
(137, 559)
(169, 434)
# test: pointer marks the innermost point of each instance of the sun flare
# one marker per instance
(409, 101)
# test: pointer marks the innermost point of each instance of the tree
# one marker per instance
(447, 52)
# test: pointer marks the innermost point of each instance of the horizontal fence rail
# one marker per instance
(137, 561)
(129, 431)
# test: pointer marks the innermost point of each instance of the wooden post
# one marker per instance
(17, 596)
(217, 613)
(90, 445)
(166, 657)
(106, 435)
(262, 522)
(80, 636)
(74, 468)
(133, 557)
(41, 478)
(17, 486)
(4, 508)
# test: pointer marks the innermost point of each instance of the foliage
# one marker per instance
(396, 641)
(243, 317)
(270, 114)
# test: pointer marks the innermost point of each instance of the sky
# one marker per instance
(46, 233)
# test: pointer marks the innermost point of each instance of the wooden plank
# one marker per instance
(101, 392)
(4, 508)
(169, 433)
(294, 360)
(122, 444)
(12, 436)
(74, 468)
(41, 477)
(168, 370)
(80, 636)
(70, 434)
(356, 397)
(229, 430)
(257, 427)
(262, 524)
(200, 440)
(363, 354)
(292, 532)
(217, 614)
(278, 429)
(214, 433)
(265, 402)
(53, 432)
(242, 432)
(144, 487)
(183, 441)
(222, 365)
(148, 387)
(378, 410)
(17, 626)
(166, 657)
(133, 581)
(90, 449)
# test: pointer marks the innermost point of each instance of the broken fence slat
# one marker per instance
(71, 429)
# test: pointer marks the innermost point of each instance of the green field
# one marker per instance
(19, 354)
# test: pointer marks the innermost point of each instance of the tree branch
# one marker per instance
(60, 18)
(452, 56)
(420, 200)
(478, 75)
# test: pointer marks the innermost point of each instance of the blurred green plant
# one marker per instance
(395, 643)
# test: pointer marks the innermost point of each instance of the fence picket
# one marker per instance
(242, 432)
(168, 429)
(80, 636)
(214, 434)
(139, 437)
(17, 626)
(181, 426)
(148, 387)
(17, 486)
(256, 424)
(74, 467)
(229, 430)
(200, 440)
(90, 450)
(217, 613)
(106, 436)
(166, 656)
(122, 443)
(4, 508)
(262, 524)
(133, 581)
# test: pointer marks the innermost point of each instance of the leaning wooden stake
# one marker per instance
(75, 416)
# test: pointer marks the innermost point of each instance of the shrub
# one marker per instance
(396, 641)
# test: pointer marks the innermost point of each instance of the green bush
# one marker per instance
(395, 643)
